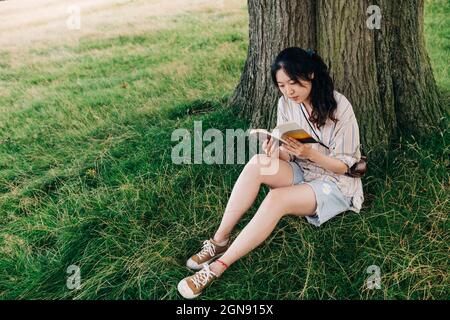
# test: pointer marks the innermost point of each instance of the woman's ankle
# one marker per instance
(217, 268)
(221, 239)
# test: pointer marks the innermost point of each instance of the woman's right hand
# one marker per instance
(268, 146)
(282, 153)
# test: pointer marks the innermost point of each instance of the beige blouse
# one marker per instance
(342, 138)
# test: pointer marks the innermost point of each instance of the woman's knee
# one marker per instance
(259, 159)
(274, 200)
(256, 163)
(268, 170)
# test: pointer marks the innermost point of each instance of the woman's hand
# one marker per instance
(269, 146)
(283, 154)
(297, 148)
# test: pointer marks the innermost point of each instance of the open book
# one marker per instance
(280, 132)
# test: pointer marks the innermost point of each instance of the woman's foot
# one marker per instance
(193, 286)
(211, 250)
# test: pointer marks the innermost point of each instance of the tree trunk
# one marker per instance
(385, 73)
(273, 25)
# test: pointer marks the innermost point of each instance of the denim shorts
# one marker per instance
(330, 200)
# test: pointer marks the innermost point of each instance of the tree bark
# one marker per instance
(416, 98)
(385, 73)
(273, 25)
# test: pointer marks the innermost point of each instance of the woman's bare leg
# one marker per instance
(297, 200)
(261, 169)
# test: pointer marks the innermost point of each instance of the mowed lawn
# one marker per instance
(86, 177)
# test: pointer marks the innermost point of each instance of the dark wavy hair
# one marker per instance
(300, 64)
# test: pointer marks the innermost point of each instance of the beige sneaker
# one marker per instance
(210, 251)
(191, 287)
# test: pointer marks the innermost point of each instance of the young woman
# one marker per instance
(308, 180)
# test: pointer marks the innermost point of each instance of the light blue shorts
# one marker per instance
(330, 200)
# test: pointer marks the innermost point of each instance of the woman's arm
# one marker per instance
(328, 163)
(305, 151)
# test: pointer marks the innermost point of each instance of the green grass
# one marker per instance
(437, 38)
(86, 178)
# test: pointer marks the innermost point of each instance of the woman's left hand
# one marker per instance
(297, 148)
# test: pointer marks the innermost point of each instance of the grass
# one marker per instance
(438, 40)
(86, 179)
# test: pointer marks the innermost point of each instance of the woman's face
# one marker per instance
(298, 92)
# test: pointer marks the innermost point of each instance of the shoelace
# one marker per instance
(208, 247)
(202, 277)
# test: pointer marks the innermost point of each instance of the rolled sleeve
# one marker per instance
(345, 143)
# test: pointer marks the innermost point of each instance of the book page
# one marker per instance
(293, 130)
(262, 134)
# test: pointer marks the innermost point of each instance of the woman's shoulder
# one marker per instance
(341, 100)
(282, 101)
(343, 104)
(283, 104)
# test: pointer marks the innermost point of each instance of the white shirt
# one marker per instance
(342, 138)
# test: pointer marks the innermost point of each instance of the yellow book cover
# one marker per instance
(280, 132)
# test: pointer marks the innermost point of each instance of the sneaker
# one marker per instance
(210, 251)
(191, 287)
